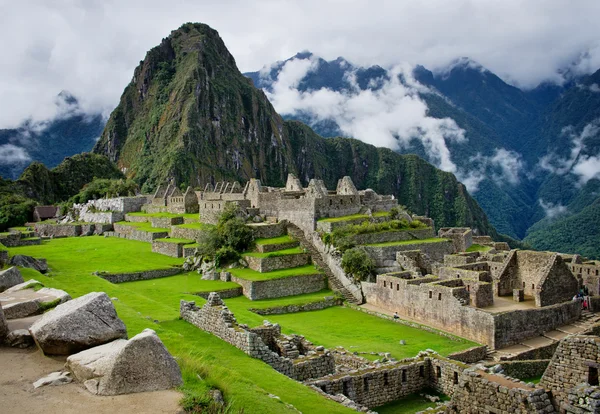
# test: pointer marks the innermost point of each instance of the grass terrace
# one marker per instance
(195, 226)
(286, 252)
(175, 240)
(411, 404)
(275, 240)
(23, 228)
(145, 226)
(478, 248)
(249, 274)
(405, 242)
(354, 217)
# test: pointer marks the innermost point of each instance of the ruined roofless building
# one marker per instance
(301, 205)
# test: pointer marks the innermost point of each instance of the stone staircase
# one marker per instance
(335, 284)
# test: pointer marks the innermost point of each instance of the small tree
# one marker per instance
(357, 263)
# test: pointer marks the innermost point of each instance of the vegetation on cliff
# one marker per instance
(190, 115)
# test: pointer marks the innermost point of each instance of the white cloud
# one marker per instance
(585, 166)
(552, 210)
(11, 154)
(90, 48)
(391, 116)
(504, 167)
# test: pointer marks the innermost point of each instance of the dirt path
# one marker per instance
(20, 368)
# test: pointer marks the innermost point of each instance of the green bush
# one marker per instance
(227, 239)
(101, 187)
(357, 263)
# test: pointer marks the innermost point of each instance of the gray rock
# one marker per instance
(217, 397)
(123, 367)
(3, 326)
(402, 342)
(9, 278)
(27, 261)
(24, 303)
(55, 378)
(20, 338)
(30, 284)
(79, 324)
(22, 309)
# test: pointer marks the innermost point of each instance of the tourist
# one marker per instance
(396, 317)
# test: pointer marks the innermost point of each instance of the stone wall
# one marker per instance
(514, 326)
(471, 355)
(167, 248)
(223, 294)
(300, 362)
(434, 304)
(104, 217)
(393, 235)
(165, 222)
(269, 264)
(479, 392)
(582, 399)
(109, 210)
(329, 226)
(268, 230)
(146, 275)
(435, 251)
(462, 237)
(306, 307)
(268, 248)
(183, 233)
(132, 233)
(58, 230)
(525, 369)
(576, 361)
(287, 286)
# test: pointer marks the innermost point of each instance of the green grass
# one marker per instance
(478, 248)
(535, 380)
(410, 404)
(359, 331)
(195, 226)
(354, 217)
(175, 240)
(206, 361)
(405, 242)
(286, 252)
(275, 240)
(145, 226)
(21, 228)
(249, 274)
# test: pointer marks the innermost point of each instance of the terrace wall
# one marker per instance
(58, 230)
(268, 264)
(393, 235)
(145, 275)
(167, 248)
(183, 233)
(275, 288)
(268, 230)
(306, 307)
(435, 251)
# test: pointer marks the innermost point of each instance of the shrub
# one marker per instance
(101, 187)
(357, 263)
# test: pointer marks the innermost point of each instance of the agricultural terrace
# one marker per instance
(207, 361)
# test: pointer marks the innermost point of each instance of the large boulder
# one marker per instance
(123, 367)
(79, 324)
(9, 278)
(27, 261)
(30, 284)
(22, 303)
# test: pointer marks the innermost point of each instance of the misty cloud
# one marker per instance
(11, 154)
(585, 166)
(90, 48)
(391, 116)
(504, 167)
(552, 210)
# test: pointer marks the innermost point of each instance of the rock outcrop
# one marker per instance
(9, 278)
(79, 324)
(126, 366)
(24, 302)
(27, 261)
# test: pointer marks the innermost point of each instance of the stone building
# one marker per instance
(170, 199)
(41, 213)
(586, 271)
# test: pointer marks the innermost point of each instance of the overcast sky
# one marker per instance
(90, 47)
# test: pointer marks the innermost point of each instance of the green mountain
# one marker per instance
(40, 185)
(190, 115)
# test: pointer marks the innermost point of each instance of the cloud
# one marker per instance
(11, 154)
(504, 167)
(585, 166)
(391, 116)
(552, 210)
(91, 48)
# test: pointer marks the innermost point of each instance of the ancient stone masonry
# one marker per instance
(462, 237)
(169, 199)
(168, 247)
(278, 310)
(575, 362)
(271, 263)
(373, 386)
(276, 288)
(435, 251)
(479, 392)
(545, 276)
(586, 271)
(145, 275)
(293, 356)
(108, 210)
(582, 399)
(471, 355)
